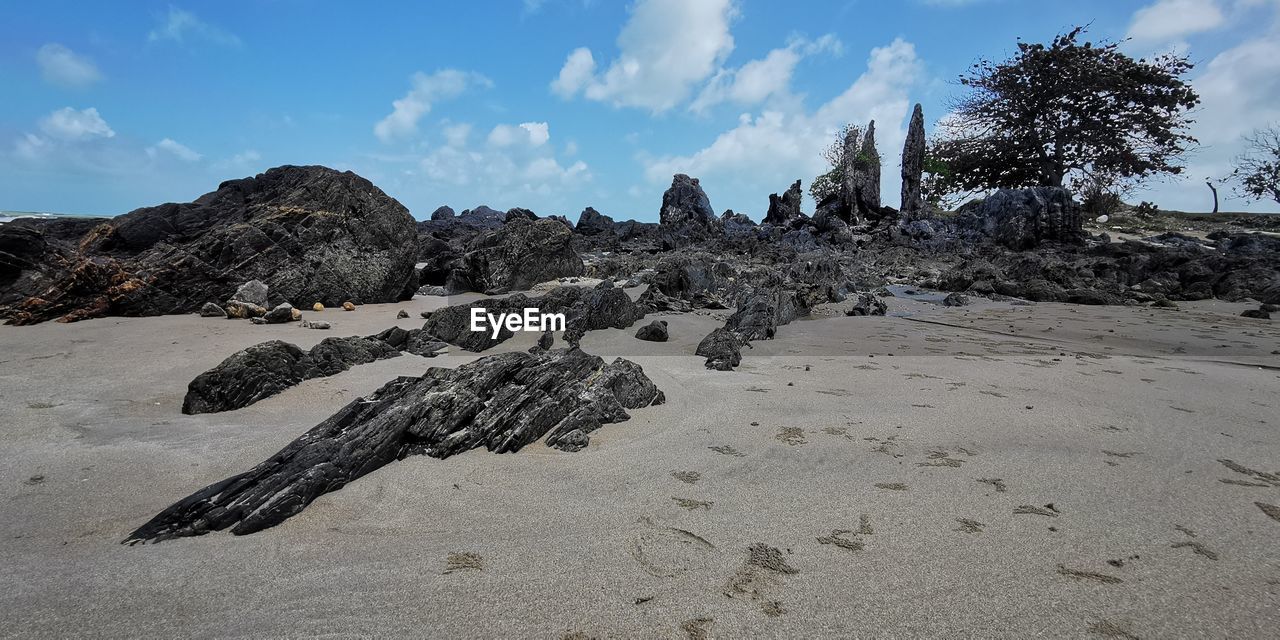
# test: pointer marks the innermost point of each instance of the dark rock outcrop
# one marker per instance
(759, 316)
(519, 255)
(594, 223)
(443, 213)
(310, 233)
(722, 349)
(501, 402)
(211, 310)
(860, 191)
(785, 209)
(867, 304)
(1021, 219)
(655, 331)
(913, 151)
(686, 206)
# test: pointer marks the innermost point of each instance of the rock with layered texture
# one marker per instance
(1021, 219)
(722, 349)
(867, 304)
(913, 151)
(655, 331)
(686, 206)
(594, 223)
(785, 209)
(308, 233)
(860, 190)
(501, 403)
(519, 255)
(759, 317)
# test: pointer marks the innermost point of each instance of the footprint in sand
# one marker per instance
(995, 482)
(969, 526)
(793, 436)
(1271, 510)
(1108, 629)
(463, 561)
(1026, 509)
(1197, 547)
(666, 552)
(727, 450)
(759, 576)
(697, 629)
(892, 486)
(691, 504)
(687, 477)
(940, 459)
(1088, 575)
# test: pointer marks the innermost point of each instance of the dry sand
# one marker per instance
(988, 471)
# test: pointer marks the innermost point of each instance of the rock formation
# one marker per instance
(310, 233)
(501, 402)
(686, 206)
(913, 151)
(443, 213)
(860, 191)
(722, 350)
(593, 223)
(518, 255)
(785, 209)
(1022, 219)
(655, 331)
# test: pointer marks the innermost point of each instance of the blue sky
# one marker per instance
(554, 104)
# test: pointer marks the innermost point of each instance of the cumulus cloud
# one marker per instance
(531, 133)
(777, 146)
(758, 80)
(169, 147)
(426, 89)
(69, 124)
(183, 27)
(65, 68)
(1168, 21)
(666, 48)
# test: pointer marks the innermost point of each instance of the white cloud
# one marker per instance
(403, 120)
(1168, 21)
(68, 124)
(666, 48)
(758, 80)
(171, 147)
(531, 133)
(456, 135)
(778, 146)
(65, 68)
(183, 26)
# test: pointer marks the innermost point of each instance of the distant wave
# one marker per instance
(10, 216)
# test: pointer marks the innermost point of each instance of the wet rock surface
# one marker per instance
(501, 403)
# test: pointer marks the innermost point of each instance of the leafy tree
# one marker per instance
(1257, 171)
(829, 182)
(1066, 113)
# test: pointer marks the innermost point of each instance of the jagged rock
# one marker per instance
(686, 206)
(309, 233)
(238, 309)
(520, 255)
(1022, 219)
(593, 223)
(562, 220)
(253, 292)
(955, 299)
(1257, 314)
(501, 402)
(266, 369)
(655, 331)
(517, 213)
(785, 209)
(722, 349)
(913, 151)
(546, 340)
(867, 304)
(860, 190)
(211, 310)
(281, 314)
(759, 316)
(443, 213)
(402, 314)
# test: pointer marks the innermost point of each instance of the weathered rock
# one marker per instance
(913, 151)
(860, 190)
(242, 310)
(955, 299)
(722, 349)
(759, 316)
(686, 206)
(1022, 219)
(402, 314)
(594, 223)
(501, 402)
(309, 233)
(253, 292)
(211, 310)
(1257, 314)
(266, 369)
(348, 306)
(518, 213)
(317, 307)
(785, 210)
(519, 255)
(281, 314)
(443, 213)
(655, 331)
(314, 324)
(867, 304)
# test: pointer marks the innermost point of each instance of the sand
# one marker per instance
(987, 471)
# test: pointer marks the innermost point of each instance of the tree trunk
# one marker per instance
(1215, 195)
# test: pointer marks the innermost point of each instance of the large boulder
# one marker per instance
(785, 209)
(443, 213)
(519, 255)
(721, 348)
(594, 223)
(309, 233)
(1024, 218)
(686, 206)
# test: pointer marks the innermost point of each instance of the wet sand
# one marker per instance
(985, 471)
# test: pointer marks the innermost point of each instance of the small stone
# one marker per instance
(348, 306)
(239, 309)
(314, 324)
(281, 314)
(317, 307)
(655, 331)
(211, 310)
(402, 315)
(1257, 314)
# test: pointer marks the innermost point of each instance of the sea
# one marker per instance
(10, 216)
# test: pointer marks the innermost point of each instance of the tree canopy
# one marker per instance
(1257, 171)
(1065, 113)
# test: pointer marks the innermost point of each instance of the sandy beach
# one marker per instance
(995, 470)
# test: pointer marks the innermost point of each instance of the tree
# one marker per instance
(1064, 114)
(1257, 171)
